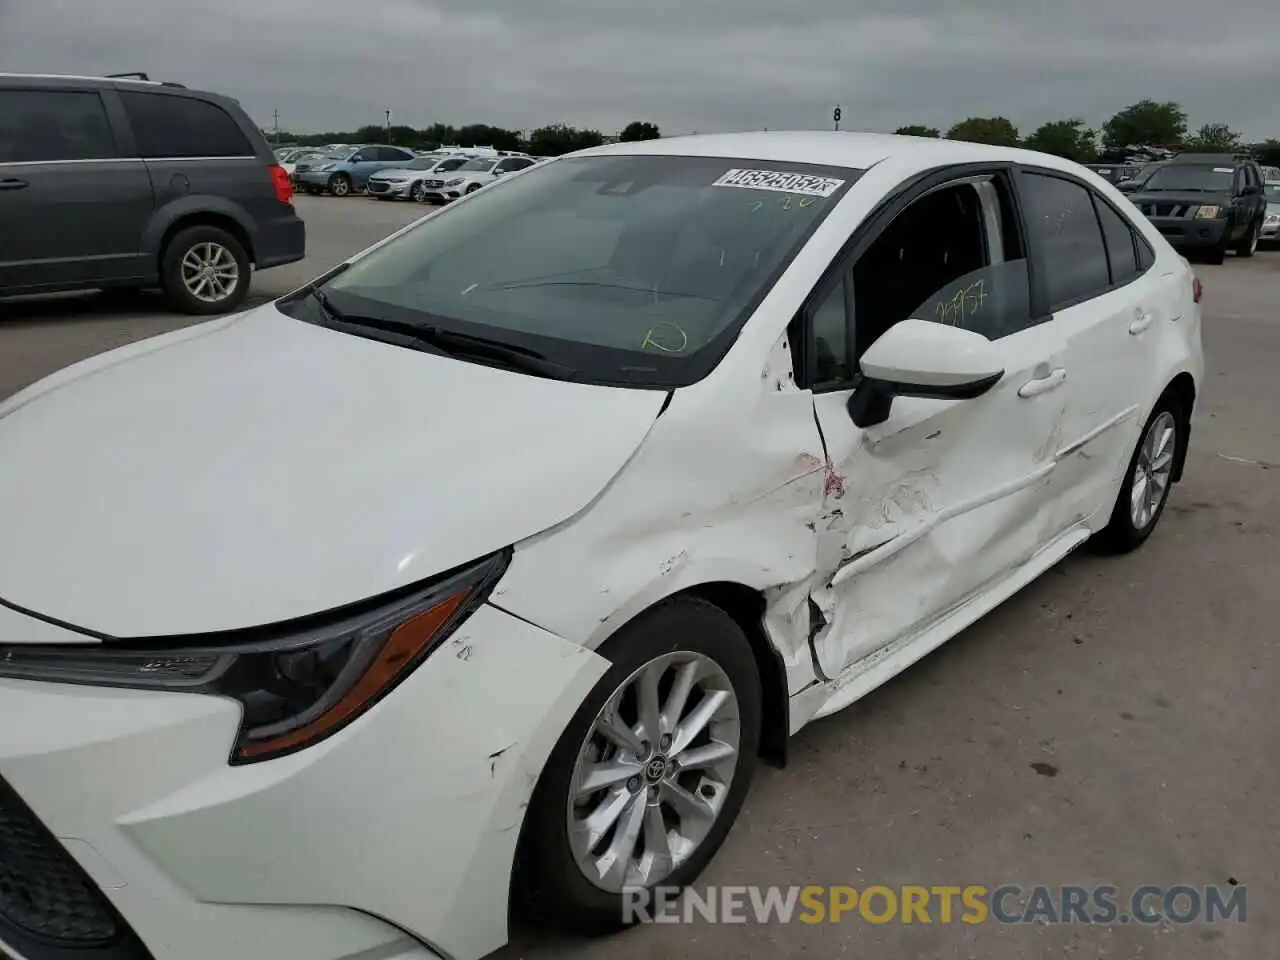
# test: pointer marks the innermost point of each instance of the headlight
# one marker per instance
(1273, 218)
(296, 685)
(457, 181)
(1208, 213)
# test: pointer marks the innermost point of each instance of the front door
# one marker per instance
(945, 497)
(73, 209)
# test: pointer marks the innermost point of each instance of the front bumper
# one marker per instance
(392, 840)
(389, 188)
(314, 178)
(1184, 233)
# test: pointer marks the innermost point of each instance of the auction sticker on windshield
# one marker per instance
(780, 181)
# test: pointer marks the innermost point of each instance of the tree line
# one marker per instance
(1147, 123)
(549, 141)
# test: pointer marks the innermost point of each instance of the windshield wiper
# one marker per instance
(450, 343)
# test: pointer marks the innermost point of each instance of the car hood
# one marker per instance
(393, 173)
(1188, 197)
(259, 469)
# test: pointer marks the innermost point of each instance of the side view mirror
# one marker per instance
(918, 358)
(1127, 186)
(1251, 190)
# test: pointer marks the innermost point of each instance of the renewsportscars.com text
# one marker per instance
(972, 904)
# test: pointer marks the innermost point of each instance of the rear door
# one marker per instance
(195, 149)
(1090, 279)
(73, 203)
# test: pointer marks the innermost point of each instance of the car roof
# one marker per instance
(59, 80)
(830, 148)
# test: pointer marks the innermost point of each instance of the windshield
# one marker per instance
(1192, 177)
(421, 163)
(477, 164)
(626, 269)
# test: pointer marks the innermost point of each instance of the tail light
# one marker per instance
(280, 179)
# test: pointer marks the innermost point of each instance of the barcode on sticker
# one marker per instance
(780, 181)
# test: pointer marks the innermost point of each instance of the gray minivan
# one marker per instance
(108, 182)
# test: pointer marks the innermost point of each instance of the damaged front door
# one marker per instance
(945, 497)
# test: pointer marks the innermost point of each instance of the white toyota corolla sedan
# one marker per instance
(482, 570)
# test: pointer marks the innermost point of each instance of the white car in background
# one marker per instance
(472, 175)
(1270, 233)
(728, 431)
(408, 182)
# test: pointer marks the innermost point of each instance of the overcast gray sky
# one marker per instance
(696, 65)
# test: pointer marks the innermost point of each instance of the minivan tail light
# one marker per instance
(284, 189)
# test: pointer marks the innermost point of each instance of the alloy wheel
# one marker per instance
(653, 774)
(339, 186)
(210, 272)
(1152, 473)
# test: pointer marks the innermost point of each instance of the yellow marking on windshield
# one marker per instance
(649, 340)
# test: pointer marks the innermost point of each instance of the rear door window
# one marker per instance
(169, 126)
(1061, 221)
(47, 125)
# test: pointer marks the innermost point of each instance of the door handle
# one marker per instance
(1050, 381)
(12, 183)
(1141, 320)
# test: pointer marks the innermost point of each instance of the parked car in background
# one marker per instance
(471, 176)
(1206, 204)
(407, 182)
(281, 669)
(295, 157)
(1271, 225)
(1112, 172)
(342, 173)
(1138, 175)
(130, 183)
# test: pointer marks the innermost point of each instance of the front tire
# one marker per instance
(621, 807)
(1248, 244)
(472, 188)
(1147, 481)
(340, 185)
(205, 270)
(417, 192)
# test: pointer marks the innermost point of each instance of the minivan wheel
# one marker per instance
(1248, 245)
(649, 776)
(205, 270)
(340, 185)
(1145, 490)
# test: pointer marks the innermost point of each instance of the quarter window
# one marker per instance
(45, 125)
(167, 125)
(1120, 243)
(1060, 216)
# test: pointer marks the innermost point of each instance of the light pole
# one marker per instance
(388, 125)
(275, 118)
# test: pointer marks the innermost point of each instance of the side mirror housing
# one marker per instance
(919, 358)
(1127, 186)
(1251, 190)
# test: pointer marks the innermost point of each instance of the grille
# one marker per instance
(433, 184)
(1165, 209)
(48, 906)
(379, 186)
